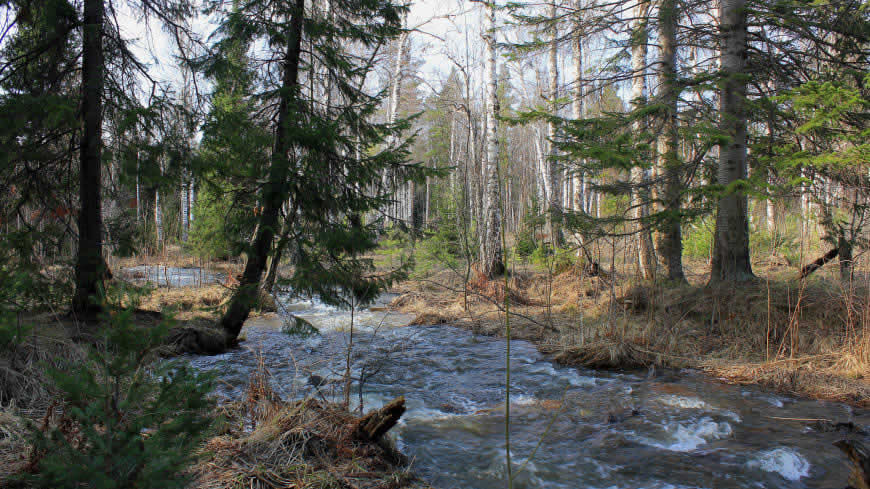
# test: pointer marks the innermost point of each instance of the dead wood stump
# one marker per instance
(377, 423)
(860, 457)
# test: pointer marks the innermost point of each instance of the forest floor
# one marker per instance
(808, 339)
(260, 442)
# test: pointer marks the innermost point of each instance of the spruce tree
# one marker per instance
(327, 152)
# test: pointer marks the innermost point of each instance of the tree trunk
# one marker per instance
(191, 199)
(158, 218)
(377, 423)
(275, 191)
(844, 254)
(579, 181)
(640, 196)
(91, 268)
(138, 195)
(185, 210)
(770, 207)
(731, 245)
(819, 262)
(491, 253)
(274, 263)
(396, 208)
(670, 238)
(409, 203)
(426, 212)
(554, 171)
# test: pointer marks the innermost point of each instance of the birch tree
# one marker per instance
(491, 253)
(640, 194)
(554, 171)
(579, 177)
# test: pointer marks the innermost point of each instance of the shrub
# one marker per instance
(126, 423)
(222, 224)
(698, 238)
(12, 332)
(526, 243)
(439, 249)
(558, 260)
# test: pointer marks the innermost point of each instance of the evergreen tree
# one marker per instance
(126, 422)
(326, 155)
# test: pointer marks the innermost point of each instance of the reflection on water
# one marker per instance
(600, 430)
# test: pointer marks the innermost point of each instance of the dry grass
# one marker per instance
(13, 445)
(188, 302)
(23, 365)
(308, 444)
(810, 339)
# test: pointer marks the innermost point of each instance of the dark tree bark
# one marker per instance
(731, 245)
(844, 252)
(819, 262)
(274, 192)
(670, 238)
(377, 423)
(91, 268)
(275, 262)
(860, 457)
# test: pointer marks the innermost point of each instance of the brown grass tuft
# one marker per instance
(606, 354)
(494, 289)
(14, 449)
(428, 318)
(301, 444)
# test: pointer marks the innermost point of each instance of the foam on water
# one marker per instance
(786, 462)
(523, 400)
(687, 437)
(684, 402)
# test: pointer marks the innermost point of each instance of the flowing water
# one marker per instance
(592, 429)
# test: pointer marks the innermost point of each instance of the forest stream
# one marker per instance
(672, 429)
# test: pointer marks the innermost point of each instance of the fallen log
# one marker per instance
(860, 457)
(819, 263)
(377, 423)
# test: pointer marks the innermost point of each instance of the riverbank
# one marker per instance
(805, 339)
(262, 440)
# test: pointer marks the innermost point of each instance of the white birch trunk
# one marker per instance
(645, 257)
(138, 192)
(192, 199)
(184, 195)
(554, 172)
(491, 240)
(389, 179)
(578, 176)
(158, 218)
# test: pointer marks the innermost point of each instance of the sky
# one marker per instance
(439, 27)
